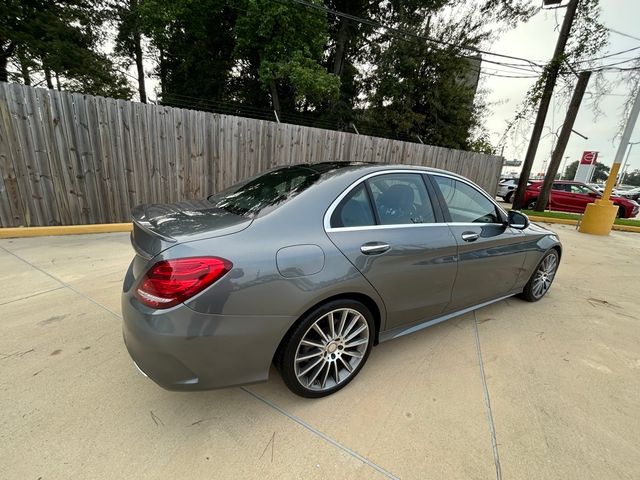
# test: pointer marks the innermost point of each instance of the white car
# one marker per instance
(507, 187)
(597, 187)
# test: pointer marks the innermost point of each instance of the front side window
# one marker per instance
(465, 203)
(401, 198)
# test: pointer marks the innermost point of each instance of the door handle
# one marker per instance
(470, 236)
(374, 248)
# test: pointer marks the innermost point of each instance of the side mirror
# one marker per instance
(518, 220)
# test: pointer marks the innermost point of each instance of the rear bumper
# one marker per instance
(181, 349)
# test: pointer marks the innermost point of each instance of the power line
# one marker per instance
(622, 33)
(398, 31)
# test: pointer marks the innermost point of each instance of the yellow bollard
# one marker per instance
(599, 216)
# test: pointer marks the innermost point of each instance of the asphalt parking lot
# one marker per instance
(516, 390)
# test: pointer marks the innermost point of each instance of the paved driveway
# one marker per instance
(525, 391)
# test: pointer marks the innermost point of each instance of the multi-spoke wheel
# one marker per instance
(541, 280)
(327, 348)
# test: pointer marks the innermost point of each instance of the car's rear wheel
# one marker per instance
(532, 204)
(327, 348)
(542, 278)
(621, 211)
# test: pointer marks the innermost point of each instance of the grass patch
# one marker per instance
(577, 216)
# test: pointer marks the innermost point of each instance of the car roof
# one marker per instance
(334, 168)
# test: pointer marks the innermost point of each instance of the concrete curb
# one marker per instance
(20, 232)
(566, 221)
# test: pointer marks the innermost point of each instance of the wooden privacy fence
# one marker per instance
(69, 159)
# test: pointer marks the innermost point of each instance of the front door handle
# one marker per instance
(470, 236)
(374, 248)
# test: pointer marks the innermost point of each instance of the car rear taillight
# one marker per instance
(170, 282)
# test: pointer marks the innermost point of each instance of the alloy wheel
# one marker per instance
(544, 275)
(331, 349)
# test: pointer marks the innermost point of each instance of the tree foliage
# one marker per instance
(58, 39)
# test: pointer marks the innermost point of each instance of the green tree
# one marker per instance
(127, 16)
(600, 174)
(59, 40)
(194, 42)
(427, 88)
(281, 47)
(632, 178)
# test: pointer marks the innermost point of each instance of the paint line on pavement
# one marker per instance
(64, 284)
(324, 436)
(32, 295)
(487, 400)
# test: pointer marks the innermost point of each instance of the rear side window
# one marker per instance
(268, 190)
(465, 203)
(401, 198)
(354, 210)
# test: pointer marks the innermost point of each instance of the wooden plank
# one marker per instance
(13, 207)
(23, 164)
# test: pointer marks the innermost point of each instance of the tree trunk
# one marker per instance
(5, 54)
(275, 100)
(163, 73)
(24, 68)
(341, 46)
(137, 46)
(142, 91)
(47, 77)
(58, 82)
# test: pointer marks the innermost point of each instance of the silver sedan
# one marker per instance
(310, 266)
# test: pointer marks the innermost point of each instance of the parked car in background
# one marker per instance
(569, 196)
(507, 187)
(631, 194)
(309, 266)
(598, 187)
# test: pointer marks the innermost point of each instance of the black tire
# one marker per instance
(286, 358)
(528, 293)
(508, 197)
(532, 204)
(621, 211)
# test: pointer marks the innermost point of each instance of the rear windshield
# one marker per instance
(268, 190)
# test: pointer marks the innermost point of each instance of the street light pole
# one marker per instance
(564, 167)
(624, 164)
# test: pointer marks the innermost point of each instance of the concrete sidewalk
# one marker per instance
(517, 390)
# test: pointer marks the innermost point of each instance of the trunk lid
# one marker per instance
(157, 227)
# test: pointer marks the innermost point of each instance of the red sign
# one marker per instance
(589, 158)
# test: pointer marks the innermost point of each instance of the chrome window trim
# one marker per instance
(336, 202)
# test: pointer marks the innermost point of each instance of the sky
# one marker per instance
(536, 40)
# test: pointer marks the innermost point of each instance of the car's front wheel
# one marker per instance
(621, 211)
(532, 204)
(327, 348)
(540, 282)
(507, 198)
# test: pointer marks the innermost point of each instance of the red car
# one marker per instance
(569, 196)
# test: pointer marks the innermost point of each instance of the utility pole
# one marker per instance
(599, 216)
(563, 139)
(552, 75)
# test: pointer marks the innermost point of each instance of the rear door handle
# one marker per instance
(470, 236)
(374, 248)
